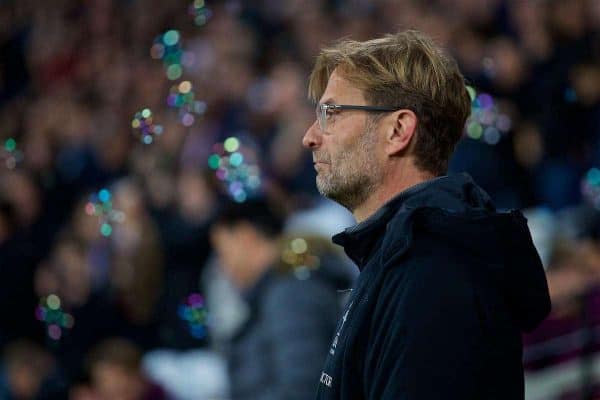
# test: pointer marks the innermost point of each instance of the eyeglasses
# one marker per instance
(326, 111)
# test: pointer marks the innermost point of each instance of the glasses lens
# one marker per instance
(322, 116)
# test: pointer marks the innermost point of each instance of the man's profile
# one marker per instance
(447, 284)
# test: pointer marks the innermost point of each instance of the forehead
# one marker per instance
(339, 90)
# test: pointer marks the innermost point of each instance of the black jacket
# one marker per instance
(447, 286)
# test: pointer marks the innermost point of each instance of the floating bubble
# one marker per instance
(167, 47)
(100, 206)
(491, 135)
(185, 87)
(474, 130)
(50, 312)
(236, 159)
(144, 126)
(236, 167)
(104, 195)
(174, 72)
(187, 119)
(53, 302)
(54, 332)
(157, 51)
(195, 314)
(486, 122)
(105, 229)
(10, 145)
(171, 38)
(299, 246)
(183, 98)
(214, 161)
(10, 156)
(200, 12)
(300, 255)
(231, 144)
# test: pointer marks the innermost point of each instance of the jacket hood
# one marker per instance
(455, 209)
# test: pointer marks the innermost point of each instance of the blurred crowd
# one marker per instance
(82, 305)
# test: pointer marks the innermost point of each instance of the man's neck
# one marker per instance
(392, 185)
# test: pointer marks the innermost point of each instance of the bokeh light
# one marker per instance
(237, 169)
(144, 126)
(298, 254)
(200, 12)
(486, 122)
(54, 317)
(167, 47)
(10, 155)
(194, 312)
(183, 98)
(100, 206)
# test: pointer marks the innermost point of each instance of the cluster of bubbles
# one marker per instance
(194, 313)
(183, 98)
(50, 312)
(590, 187)
(298, 255)
(200, 12)
(236, 168)
(10, 155)
(144, 126)
(100, 206)
(167, 47)
(487, 122)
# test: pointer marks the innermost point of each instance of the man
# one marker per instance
(447, 283)
(277, 353)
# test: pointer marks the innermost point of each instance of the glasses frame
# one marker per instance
(322, 109)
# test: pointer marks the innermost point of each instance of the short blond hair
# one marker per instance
(406, 70)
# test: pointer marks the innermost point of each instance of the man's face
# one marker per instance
(345, 154)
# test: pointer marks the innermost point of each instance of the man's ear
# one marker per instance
(400, 132)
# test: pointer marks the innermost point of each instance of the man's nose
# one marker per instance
(312, 137)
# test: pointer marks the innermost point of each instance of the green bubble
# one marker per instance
(172, 58)
(53, 302)
(170, 38)
(231, 144)
(174, 72)
(10, 145)
(146, 113)
(474, 130)
(188, 97)
(236, 159)
(213, 161)
(106, 229)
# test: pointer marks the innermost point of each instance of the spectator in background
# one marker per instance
(277, 352)
(31, 373)
(115, 374)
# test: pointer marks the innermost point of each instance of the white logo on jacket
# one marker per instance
(326, 379)
(337, 335)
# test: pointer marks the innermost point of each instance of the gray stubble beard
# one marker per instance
(353, 186)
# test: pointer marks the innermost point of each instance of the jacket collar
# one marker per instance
(359, 240)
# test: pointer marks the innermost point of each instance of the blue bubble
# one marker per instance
(104, 195)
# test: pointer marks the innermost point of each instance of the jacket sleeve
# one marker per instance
(300, 317)
(425, 339)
